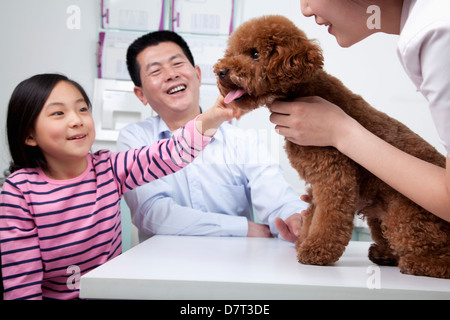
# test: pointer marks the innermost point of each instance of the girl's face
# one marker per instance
(346, 20)
(64, 130)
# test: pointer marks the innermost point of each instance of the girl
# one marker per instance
(60, 207)
(424, 51)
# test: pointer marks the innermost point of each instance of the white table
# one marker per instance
(168, 267)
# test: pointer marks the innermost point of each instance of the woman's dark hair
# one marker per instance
(25, 105)
(148, 40)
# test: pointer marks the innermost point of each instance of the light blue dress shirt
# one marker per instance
(233, 179)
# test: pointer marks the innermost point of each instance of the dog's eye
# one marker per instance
(255, 54)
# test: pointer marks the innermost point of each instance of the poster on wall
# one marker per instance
(210, 17)
(137, 15)
(112, 52)
(206, 52)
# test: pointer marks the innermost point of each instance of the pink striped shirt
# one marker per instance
(53, 231)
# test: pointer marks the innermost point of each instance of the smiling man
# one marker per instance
(175, 100)
(233, 180)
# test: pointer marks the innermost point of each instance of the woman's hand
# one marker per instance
(310, 121)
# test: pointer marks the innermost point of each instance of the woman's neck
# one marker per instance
(391, 16)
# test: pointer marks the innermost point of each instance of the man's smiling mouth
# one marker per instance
(177, 89)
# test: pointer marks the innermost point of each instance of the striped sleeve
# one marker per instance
(20, 252)
(139, 166)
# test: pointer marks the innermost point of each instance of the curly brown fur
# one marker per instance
(270, 58)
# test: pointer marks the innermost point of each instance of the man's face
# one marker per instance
(170, 84)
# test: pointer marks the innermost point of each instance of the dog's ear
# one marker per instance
(294, 60)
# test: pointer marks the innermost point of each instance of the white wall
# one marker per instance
(35, 38)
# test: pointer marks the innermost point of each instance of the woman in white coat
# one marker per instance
(424, 52)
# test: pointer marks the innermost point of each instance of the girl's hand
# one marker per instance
(310, 121)
(212, 118)
(225, 112)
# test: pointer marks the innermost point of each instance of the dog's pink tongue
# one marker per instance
(233, 95)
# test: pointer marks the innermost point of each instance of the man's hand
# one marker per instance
(258, 230)
(290, 228)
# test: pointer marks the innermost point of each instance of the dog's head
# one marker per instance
(266, 59)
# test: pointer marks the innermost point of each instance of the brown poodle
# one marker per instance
(269, 58)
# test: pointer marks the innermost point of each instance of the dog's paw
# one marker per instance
(425, 266)
(318, 252)
(381, 255)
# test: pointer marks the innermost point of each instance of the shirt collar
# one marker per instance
(165, 133)
(407, 7)
(163, 130)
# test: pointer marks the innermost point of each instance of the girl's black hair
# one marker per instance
(25, 105)
(149, 40)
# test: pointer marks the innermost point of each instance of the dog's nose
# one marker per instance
(223, 73)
